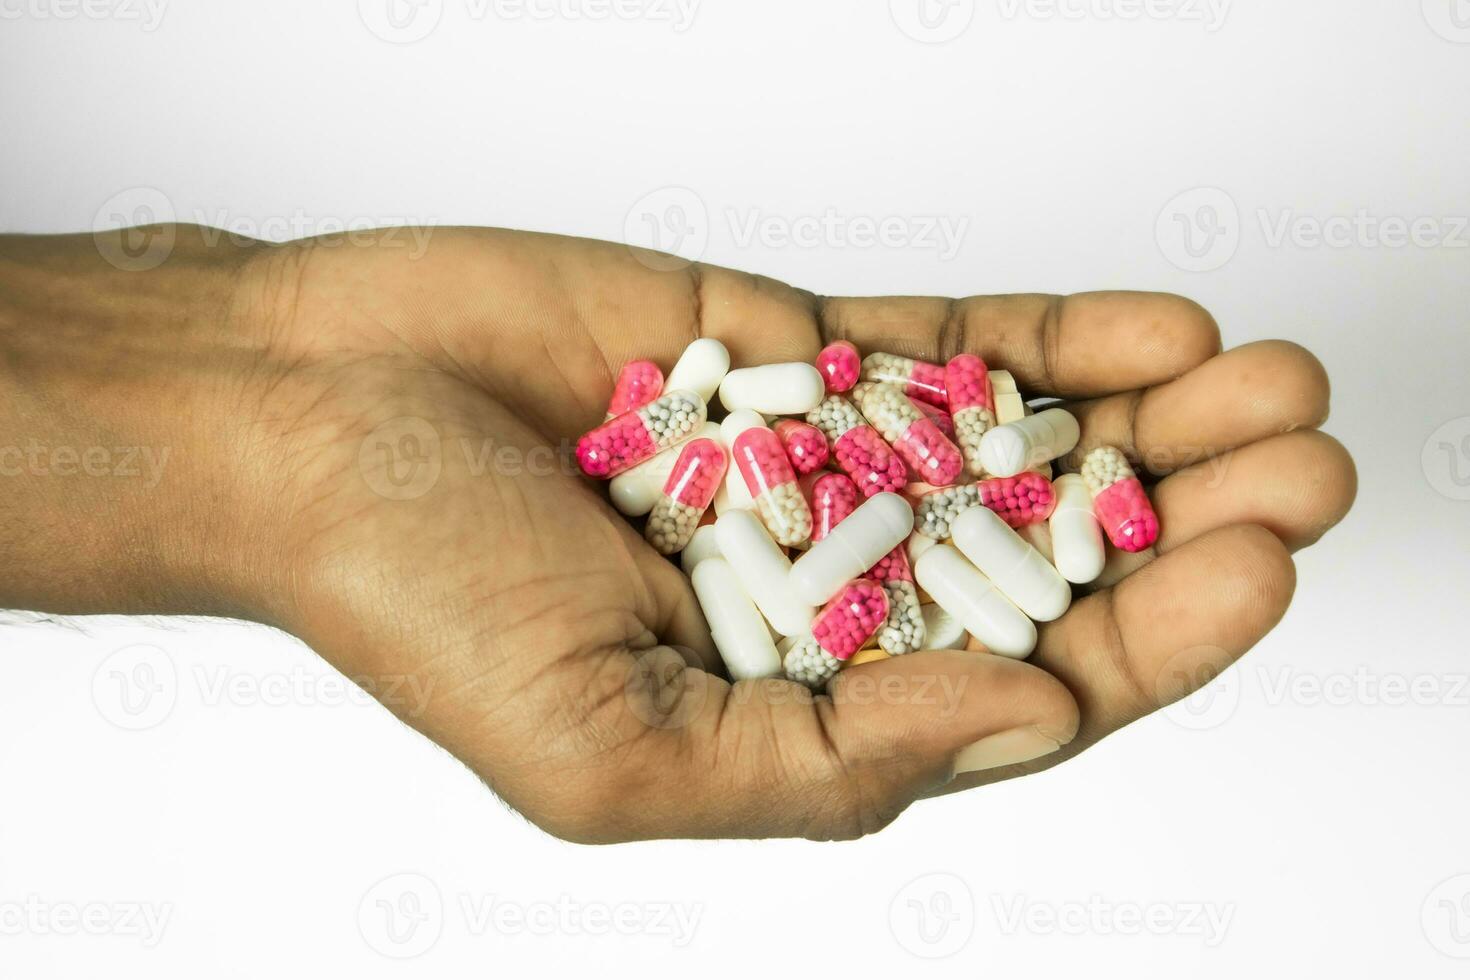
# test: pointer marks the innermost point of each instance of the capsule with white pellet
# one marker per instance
(793, 388)
(635, 492)
(970, 597)
(854, 546)
(736, 626)
(701, 368)
(1076, 537)
(763, 569)
(1021, 445)
(1016, 568)
(734, 494)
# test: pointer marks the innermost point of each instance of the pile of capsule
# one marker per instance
(875, 506)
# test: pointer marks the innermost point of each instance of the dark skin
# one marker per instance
(538, 620)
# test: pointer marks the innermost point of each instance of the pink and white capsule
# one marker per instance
(638, 436)
(930, 457)
(806, 447)
(839, 631)
(772, 483)
(832, 497)
(919, 380)
(687, 495)
(1022, 445)
(971, 405)
(903, 630)
(939, 417)
(639, 382)
(841, 366)
(1119, 501)
(857, 447)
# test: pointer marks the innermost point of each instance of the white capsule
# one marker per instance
(917, 544)
(1016, 446)
(1076, 538)
(967, 595)
(702, 546)
(941, 630)
(763, 569)
(635, 492)
(734, 623)
(701, 368)
(1016, 568)
(793, 388)
(878, 526)
(734, 493)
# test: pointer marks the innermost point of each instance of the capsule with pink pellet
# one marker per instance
(929, 456)
(920, 380)
(637, 436)
(639, 382)
(1119, 500)
(806, 446)
(840, 630)
(971, 406)
(687, 495)
(831, 496)
(1019, 500)
(857, 447)
(841, 366)
(768, 475)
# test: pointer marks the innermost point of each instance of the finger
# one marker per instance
(1298, 486)
(1075, 346)
(768, 759)
(1245, 394)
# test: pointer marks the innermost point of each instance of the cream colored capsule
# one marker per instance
(793, 388)
(1016, 446)
(967, 595)
(941, 630)
(735, 624)
(878, 526)
(1076, 539)
(701, 368)
(763, 570)
(1016, 568)
(702, 546)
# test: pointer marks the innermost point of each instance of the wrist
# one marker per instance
(120, 490)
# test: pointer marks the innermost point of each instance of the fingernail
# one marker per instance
(1006, 749)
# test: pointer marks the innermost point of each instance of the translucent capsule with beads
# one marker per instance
(840, 630)
(768, 475)
(919, 380)
(858, 449)
(930, 457)
(687, 495)
(806, 446)
(1119, 500)
(971, 406)
(841, 366)
(903, 631)
(639, 382)
(638, 436)
(831, 496)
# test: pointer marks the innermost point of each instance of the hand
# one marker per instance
(537, 621)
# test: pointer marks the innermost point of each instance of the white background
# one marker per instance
(1311, 803)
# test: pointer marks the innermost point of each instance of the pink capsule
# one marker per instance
(972, 405)
(859, 450)
(772, 483)
(638, 436)
(939, 417)
(919, 380)
(806, 447)
(840, 365)
(903, 630)
(1019, 500)
(832, 496)
(930, 456)
(687, 495)
(1119, 500)
(639, 382)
